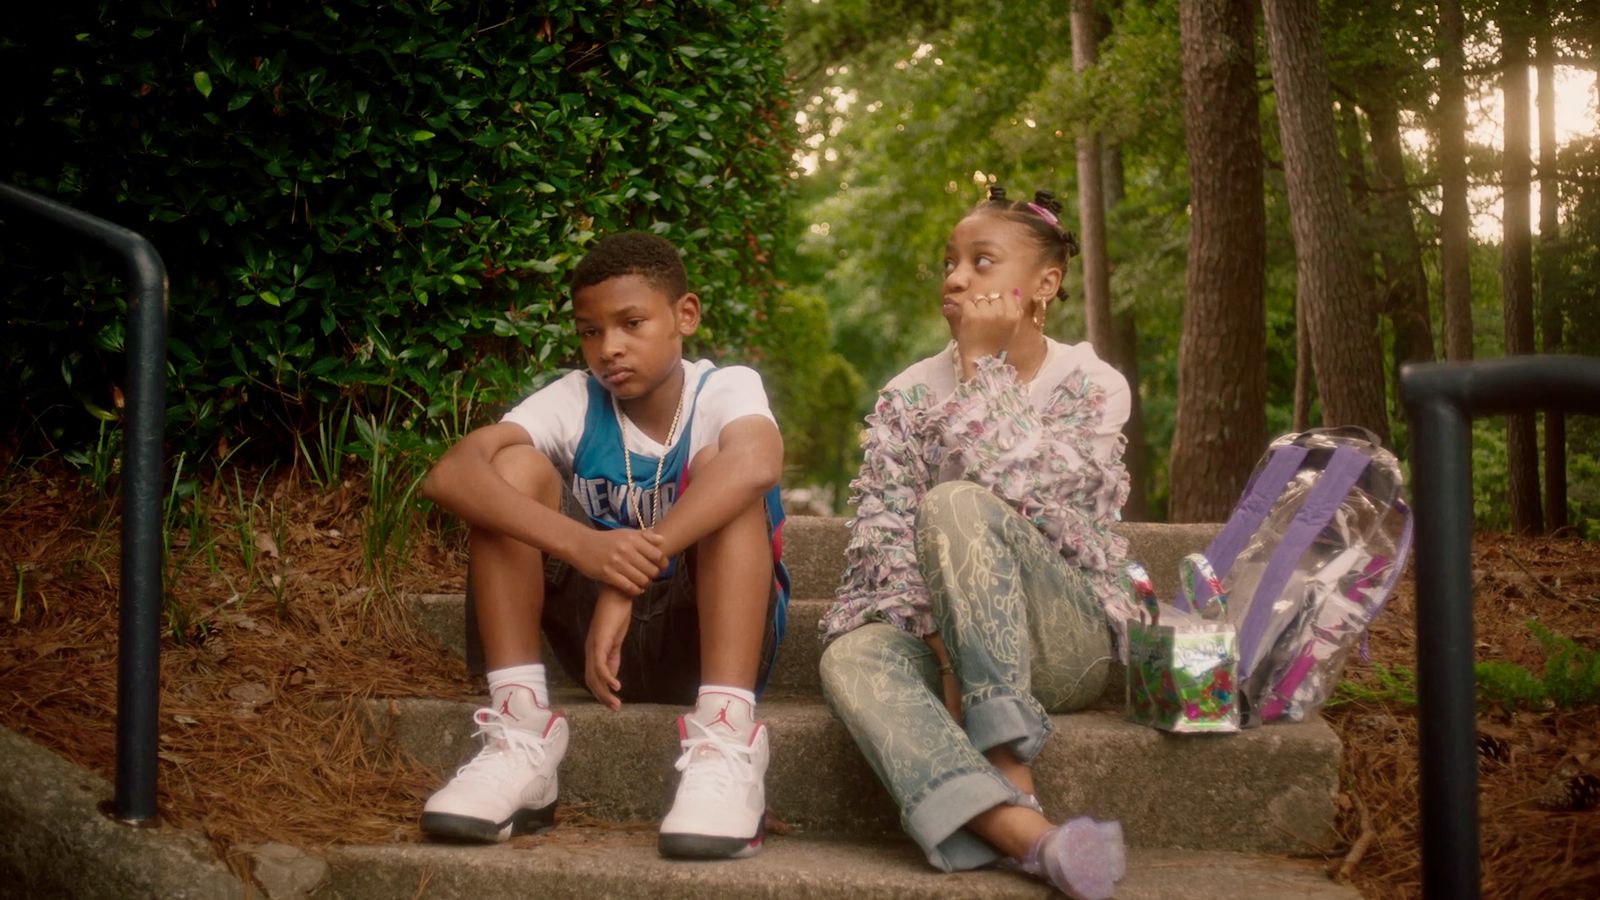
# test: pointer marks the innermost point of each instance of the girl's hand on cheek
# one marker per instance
(987, 325)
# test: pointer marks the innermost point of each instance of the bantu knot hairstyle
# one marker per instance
(1042, 218)
(633, 253)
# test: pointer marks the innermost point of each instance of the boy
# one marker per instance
(653, 591)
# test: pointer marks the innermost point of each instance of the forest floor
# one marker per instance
(276, 628)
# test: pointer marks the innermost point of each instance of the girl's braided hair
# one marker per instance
(1056, 244)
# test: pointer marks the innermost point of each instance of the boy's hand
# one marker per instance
(602, 656)
(624, 559)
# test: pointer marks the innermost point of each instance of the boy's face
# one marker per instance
(632, 332)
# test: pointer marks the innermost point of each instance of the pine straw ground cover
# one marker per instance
(263, 732)
(1527, 757)
(272, 649)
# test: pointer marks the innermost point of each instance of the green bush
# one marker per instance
(364, 199)
(815, 393)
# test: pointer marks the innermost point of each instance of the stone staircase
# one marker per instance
(1205, 816)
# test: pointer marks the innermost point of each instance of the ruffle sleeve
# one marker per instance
(881, 580)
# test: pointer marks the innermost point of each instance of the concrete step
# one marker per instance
(585, 863)
(795, 674)
(814, 550)
(1265, 790)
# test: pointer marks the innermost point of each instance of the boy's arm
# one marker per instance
(465, 482)
(748, 462)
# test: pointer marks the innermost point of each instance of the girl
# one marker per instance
(979, 557)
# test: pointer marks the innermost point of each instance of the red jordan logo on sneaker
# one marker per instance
(722, 716)
(505, 705)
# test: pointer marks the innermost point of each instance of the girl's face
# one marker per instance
(988, 254)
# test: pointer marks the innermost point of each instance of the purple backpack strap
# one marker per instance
(1342, 472)
(1251, 511)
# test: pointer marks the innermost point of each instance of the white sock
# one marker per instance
(530, 676)
(747, 696)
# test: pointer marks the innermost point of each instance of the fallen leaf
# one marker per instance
(266, 544)
(251, 693)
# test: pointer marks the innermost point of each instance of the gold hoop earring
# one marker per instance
(1038, 317)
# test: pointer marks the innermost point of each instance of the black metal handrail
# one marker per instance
(1441, 399)
(139, 627)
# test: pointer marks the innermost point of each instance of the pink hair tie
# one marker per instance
(1045, 214)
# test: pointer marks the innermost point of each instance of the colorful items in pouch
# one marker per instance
(1182, 669)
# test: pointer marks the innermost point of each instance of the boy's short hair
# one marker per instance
(633, 253)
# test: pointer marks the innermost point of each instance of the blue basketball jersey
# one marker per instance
(600, 481)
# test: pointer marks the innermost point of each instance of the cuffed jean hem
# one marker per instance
(937, 823)
(1010, 721)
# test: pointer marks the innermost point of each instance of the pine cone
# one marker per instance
(1566, 792)
(1493, 749)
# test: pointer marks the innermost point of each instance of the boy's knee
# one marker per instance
(529, 471)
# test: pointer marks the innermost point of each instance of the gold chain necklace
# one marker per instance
(955, 362)
(627, 460)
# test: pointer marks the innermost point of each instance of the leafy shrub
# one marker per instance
(363, 198)
(1571, 677)
(815, 393)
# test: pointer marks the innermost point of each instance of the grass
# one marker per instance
(101, 461)
(324, 457)
(393, 513)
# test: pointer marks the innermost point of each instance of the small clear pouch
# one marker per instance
(1182, 665)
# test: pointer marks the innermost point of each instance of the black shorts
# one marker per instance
(661, 651)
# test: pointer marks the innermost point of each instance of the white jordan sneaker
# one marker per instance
(720, 808)
(509, 787)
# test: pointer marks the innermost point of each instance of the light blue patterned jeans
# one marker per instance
(1026, 636)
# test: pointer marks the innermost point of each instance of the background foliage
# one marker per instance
(371, 202)
(910, 109)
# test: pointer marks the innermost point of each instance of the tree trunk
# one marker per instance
(1113, 182)
(1342, 323)
(1405, 298)
(1220, 423)
(1091, 201)
(1355, 162)
(1516, 272)
(1455, 237)
(1552, 293)
(1302, 369)
(1137, 456)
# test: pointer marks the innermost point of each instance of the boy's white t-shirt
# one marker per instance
(553, 415)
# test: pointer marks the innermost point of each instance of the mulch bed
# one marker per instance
(1527, 757)
(259, 744)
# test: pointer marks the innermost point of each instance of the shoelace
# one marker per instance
(711, 773)
(501, 739)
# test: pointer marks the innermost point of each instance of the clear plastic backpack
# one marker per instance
(1309, 555)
